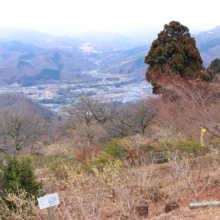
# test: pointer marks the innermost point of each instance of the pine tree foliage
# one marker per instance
(176, 50)
(19, 174)
(214, 69)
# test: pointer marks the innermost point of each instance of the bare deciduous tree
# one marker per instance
(118, 119)
(19, 130)
(122, 124)
(91, 111)
(88, 135)
(198, 104)
(144, 112)
(133, 118)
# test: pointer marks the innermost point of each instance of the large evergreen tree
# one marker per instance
(174, 50)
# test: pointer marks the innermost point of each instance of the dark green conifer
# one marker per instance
(214, 69)
(176, 50)
(19, 174)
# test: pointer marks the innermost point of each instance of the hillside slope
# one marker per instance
(126, 62)
(17, 101)
(11, 46)
(208, 43)
(15, 65)
(108, 41)
(46, 41)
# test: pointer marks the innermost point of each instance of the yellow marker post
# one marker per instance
(203, 130)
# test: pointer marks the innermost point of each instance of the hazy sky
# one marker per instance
(66, 16)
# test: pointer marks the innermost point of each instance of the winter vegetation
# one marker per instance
(147, 159)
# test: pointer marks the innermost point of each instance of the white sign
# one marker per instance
(48, 201)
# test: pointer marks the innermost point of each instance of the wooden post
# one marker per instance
(170, 206)
(142, 208)
(51, 213)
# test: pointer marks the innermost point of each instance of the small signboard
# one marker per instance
(48, 200)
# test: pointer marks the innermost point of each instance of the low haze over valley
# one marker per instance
(57, 69)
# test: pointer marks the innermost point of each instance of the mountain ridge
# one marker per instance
(113, 52)
(33, 64)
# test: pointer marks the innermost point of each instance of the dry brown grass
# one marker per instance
(84, 195)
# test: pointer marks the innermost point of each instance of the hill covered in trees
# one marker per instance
(18, 102)
(27, 68)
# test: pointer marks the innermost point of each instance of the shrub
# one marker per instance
(19, 174)
(60, 167)
(215, 143)
(190, 146)
(58, 149)
(110, 173)
(21, 205)
(115, 149)
(98, 162)
(152, 148)
(35, 160)
(81, 155)
(214, 68)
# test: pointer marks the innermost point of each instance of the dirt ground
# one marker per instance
(207, 213)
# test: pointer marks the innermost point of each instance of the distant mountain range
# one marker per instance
(126, 62)
(132, 61)
(208, 43)
(27, 68)
(38, 39)
(30, 57)
(108, 42)
(17, 46)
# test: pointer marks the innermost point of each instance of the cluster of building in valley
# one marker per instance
(103, 86)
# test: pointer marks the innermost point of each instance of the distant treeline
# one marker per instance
(52, 101)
